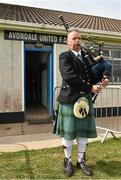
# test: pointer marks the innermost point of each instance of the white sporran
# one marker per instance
(81, 108)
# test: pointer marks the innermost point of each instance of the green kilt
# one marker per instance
(70, 127)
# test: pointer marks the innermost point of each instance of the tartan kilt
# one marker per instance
(70, 127)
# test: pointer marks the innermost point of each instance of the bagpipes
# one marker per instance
(100, 68)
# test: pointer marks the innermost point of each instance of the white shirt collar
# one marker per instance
(76, 52)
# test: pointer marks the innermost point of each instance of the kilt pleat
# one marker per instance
(70, 127)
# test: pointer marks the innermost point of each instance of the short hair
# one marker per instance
(72, 30)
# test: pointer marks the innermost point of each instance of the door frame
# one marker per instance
(49, 76)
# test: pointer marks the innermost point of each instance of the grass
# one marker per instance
(105, 159)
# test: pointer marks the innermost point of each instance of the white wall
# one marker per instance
(10, 75)
(58, 48)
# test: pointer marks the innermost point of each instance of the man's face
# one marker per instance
(73, 41)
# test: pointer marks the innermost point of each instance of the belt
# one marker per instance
(82, 92)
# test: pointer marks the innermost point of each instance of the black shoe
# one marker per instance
(68, 167)
(84, 168)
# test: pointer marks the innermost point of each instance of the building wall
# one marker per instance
(10, 75)
(58, 48)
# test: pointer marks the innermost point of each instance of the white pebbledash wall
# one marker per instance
(11, 57)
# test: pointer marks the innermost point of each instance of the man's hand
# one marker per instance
(96, 89)
(105, 82)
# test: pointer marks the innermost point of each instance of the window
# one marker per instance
(116, 64)
(113, 55)
(106, 53)
(116, 53)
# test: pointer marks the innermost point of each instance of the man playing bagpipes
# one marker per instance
(78, 81)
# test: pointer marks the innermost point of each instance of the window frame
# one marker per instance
(110, 58)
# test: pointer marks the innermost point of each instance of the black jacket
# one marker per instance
(76, 77)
